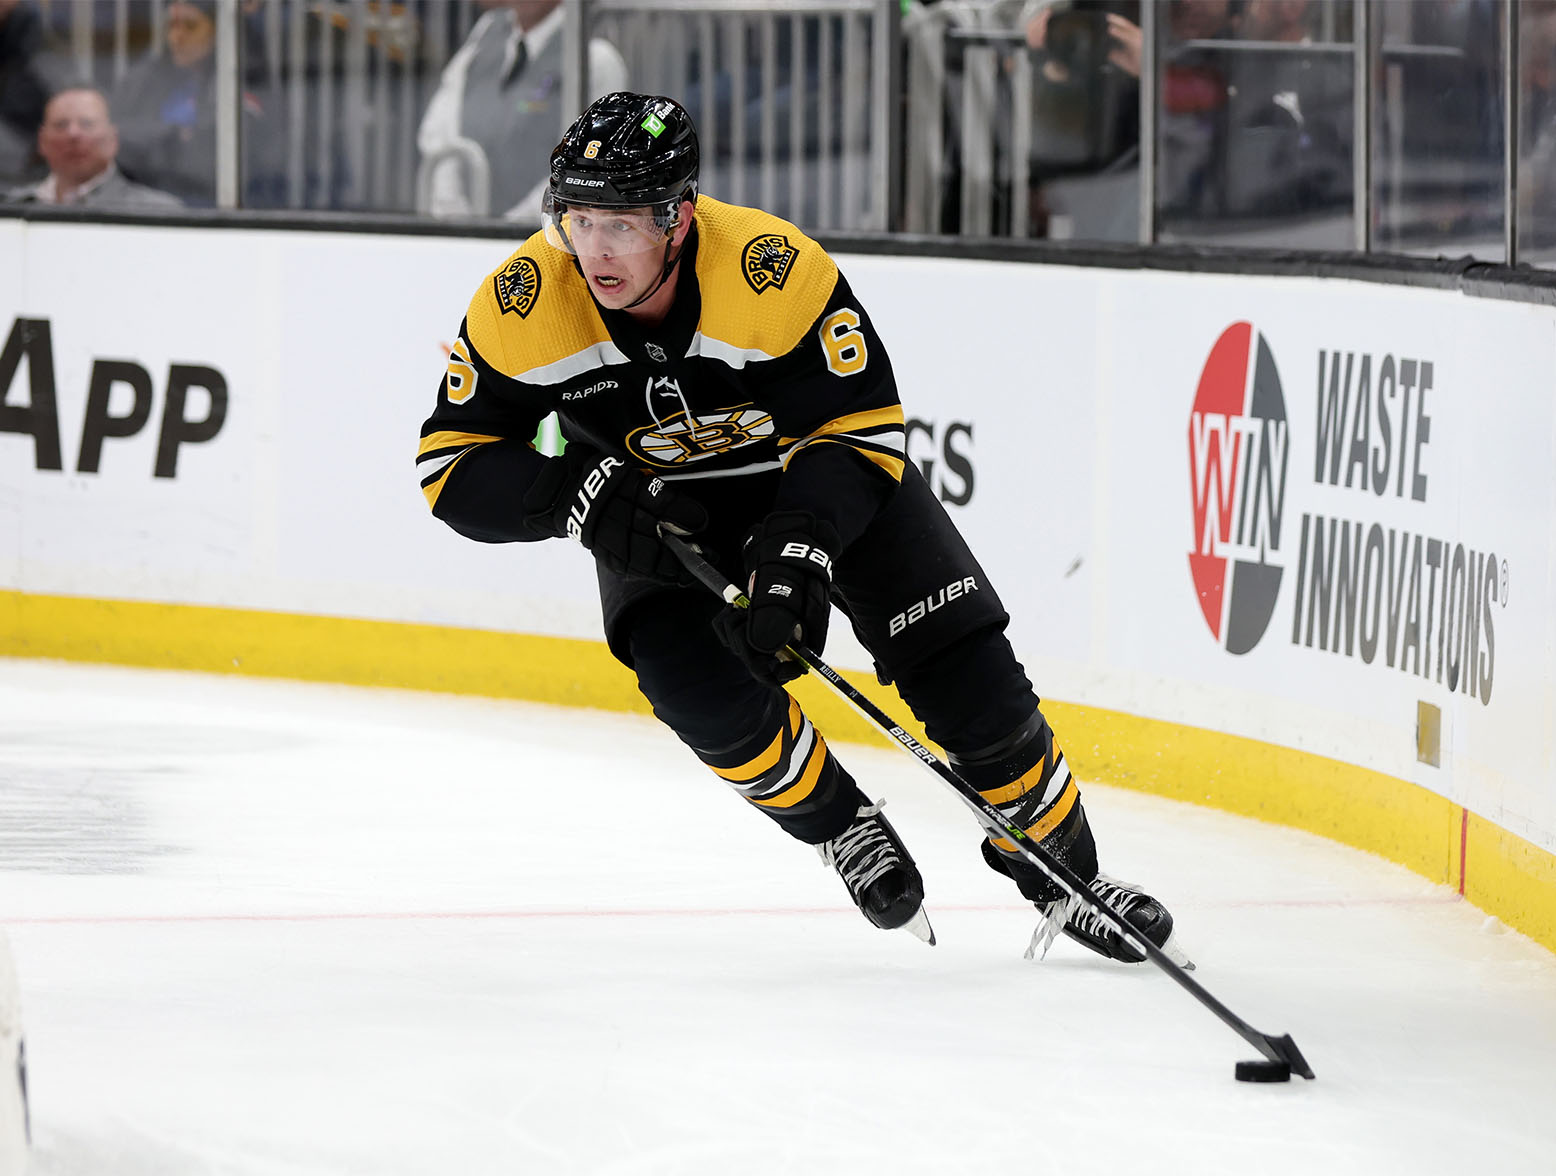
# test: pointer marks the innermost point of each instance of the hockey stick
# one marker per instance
(1280, 1050)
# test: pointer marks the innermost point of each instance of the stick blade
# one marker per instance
(1284, 1049)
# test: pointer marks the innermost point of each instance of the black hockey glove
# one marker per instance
(615, 511)
(789, 558)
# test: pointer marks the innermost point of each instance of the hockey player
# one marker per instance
(715, 375)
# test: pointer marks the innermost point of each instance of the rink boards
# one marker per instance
(1279, 545)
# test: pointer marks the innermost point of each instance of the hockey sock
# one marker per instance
(1025, 776)
(785, 769)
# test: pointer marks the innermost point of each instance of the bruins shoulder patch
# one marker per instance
(517, 287)
(767, 261)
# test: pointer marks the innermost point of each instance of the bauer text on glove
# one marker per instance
(789, 560)
(614, 510)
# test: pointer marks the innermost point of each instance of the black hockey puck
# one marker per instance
(1262, 1071)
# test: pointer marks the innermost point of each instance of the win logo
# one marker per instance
(1238, 450)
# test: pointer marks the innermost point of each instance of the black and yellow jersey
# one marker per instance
(766, 384)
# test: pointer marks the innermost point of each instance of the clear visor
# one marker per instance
(604, 232)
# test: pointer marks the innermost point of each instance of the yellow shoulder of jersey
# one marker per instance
(532, 312)
(764, 283)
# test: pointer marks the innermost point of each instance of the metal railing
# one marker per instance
(317, 101)
(795, 103)
(839, 114)
(1362, 74)
(353, 78)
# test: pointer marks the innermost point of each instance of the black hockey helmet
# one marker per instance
(625, 151)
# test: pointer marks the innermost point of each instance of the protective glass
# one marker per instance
(604, 232)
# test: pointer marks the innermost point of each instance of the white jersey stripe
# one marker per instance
(735, 357)
(755, 467)
(595, 356)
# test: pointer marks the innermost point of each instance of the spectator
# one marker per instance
(24, 88)
(1090, 60)
(1536, 64)
(166, 109)
(1251, 122)
(79, 143)
(1085, 117)
(1537, 128)
(1079, 29)
(1288, 21)
(502, 91)
(1193, 108)
(1290, 117)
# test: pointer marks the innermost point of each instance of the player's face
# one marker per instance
(621, 252)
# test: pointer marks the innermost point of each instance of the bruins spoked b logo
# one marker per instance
(679, 437)
(518, 286)
(767, 261)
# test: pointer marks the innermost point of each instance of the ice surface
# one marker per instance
(267, 927)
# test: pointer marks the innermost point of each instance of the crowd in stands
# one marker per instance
(25, 85)
(1537, 122)
(149, 143)
(1255, 119)
(1251, 121)
(501, 94)
(498, 98)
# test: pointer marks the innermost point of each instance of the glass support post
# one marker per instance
(228, 106)
(577, 20)
(886, 118)
(1361, 136)
(1510, 96)
(1150, 92)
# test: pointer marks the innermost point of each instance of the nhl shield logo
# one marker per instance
(518, 286)
(767, 261)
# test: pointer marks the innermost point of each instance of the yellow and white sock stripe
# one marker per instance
(788, 768)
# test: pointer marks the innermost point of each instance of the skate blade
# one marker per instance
(918, 926)
(1176, 954)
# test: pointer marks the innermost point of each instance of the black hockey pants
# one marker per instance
(924, 608)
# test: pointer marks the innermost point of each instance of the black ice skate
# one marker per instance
(879, 873)
(1081, 924)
